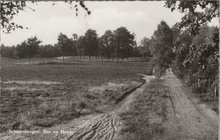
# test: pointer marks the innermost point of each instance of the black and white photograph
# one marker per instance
(109, 70)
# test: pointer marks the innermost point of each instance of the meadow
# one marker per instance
(49, 92)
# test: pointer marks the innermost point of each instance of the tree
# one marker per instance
(91, 43)
(8, 11)
(107, 45)
(33, 44)
(7, 51)
(196, 59)
(182, 42)
(162, 48)
(74, 44)
(49, 51)
(196, 13)
(21, 50)
(11, 8)
(145, 43)
(81, 43)
(28, 49)
(65, 44)
(124, 42)
(75, 38)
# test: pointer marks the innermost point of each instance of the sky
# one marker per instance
(47, 21)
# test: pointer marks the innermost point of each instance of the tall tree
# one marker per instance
(33, 45)
(145, 43)
(74, 44)
(182, 42)
(81, 43)
(21, 50)
(124, 42)
(162, 48)
(91, 43)
(28, 49)
(65, 44)
(107, 44)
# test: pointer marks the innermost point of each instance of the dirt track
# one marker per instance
(106, 126)
(186, 119)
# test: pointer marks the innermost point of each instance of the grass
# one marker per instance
(149, 110)
(205, 98)
(44, 94)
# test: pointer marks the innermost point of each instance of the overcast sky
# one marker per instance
(48, 21)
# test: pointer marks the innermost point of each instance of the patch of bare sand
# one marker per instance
(37, 82)
(24, 88)
(109, 86)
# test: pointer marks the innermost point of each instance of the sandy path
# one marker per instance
(188, 120)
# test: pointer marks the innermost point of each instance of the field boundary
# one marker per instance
(128, 92)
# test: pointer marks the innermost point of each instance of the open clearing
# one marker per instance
(37, 96)
(116, 105)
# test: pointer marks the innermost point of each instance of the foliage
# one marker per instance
(49, 51)
(162, 48)
(80, 45)
(196, 13)
(7, 51)
(28, 49)
(11, 8)
(117, 44)
(65, 44)
(33, 45)
(91, 43)
(107, 43)
(124, 42)
(8, 11)
(145, 43)
(196, 48)
(21, 50)
(197, 59)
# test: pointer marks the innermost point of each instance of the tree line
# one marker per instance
(117, 44)
(192, 57)
(190, 48)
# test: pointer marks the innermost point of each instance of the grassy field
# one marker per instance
(149, 110)
(40, 94)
